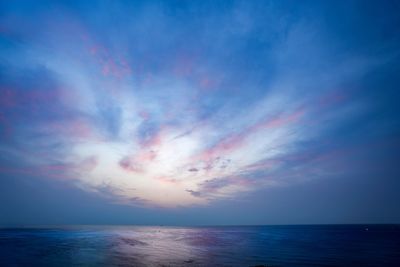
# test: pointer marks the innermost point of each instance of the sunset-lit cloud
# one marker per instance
(177, 116)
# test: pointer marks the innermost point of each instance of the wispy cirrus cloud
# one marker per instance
(183, 113)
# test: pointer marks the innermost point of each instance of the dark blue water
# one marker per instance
(340, 245)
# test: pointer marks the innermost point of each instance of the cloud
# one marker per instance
(186, 109)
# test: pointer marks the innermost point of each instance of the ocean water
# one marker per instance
(317, 245)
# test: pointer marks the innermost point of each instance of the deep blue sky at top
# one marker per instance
(199, 112)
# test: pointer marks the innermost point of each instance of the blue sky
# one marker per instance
(189, 112)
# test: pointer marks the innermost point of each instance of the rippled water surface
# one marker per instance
(350, 245)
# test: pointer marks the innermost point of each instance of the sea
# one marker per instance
(289, 245)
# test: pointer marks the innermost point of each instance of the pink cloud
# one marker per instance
(167, 180)
(33, 98)
(144, 115)
(279, 121)
(154, 140)
(224, 146)
(184, 65)
(214, 186)
(236, 141)
(86, 165)
(75, 128)
(263, 165)
(332, 98)
(207, 83)
(7, 98)
(110, 65)
(135, 163)
(128, 164)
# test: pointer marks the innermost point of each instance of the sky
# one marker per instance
(199, 112)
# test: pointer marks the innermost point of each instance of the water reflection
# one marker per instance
(207, 246)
